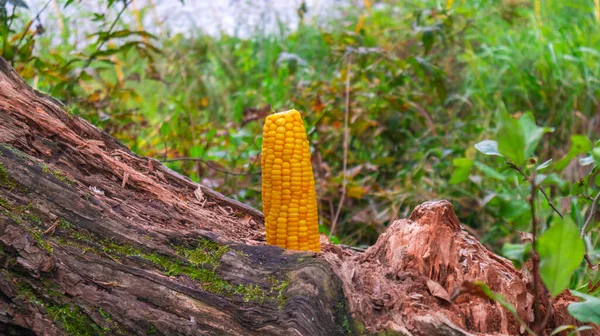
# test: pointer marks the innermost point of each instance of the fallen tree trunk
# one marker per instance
(95, 240)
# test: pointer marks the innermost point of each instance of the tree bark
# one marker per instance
(96, 240)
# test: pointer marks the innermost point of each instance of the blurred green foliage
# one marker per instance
(427, 81)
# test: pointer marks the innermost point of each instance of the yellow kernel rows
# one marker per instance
(288, 184)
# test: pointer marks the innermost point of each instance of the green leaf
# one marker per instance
(497, 297)
(561, 251)
(488, 147)
(461, 171)
(580, 144)
(596, 155)
(324, 229)
(545, 164)
(165, 129)
(67, 3)
(539, 178)
(489, 171)
(427, 39)
(513, 209)
(122, 33)
(518, 253)
(562, 328)
(569, 327)
(552, 179)
(197, 151)
(586, 161)
(18, 3)
(26, 50)
(587, 311)
(511, 139)
(533, 133)
(576, 215)
(503, 302)
(582, 328)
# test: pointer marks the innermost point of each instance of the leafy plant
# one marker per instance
(556, 252)
(586, 311)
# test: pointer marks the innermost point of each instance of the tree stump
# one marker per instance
(96, 240)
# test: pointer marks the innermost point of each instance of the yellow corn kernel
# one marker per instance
(288, 188)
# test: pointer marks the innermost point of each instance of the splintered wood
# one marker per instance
(402, 283)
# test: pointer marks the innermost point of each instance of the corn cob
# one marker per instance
(288, 184)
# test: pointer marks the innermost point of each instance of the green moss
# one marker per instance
(63, 223)
(8, 182)
(25, 292)
(7, 260)
(207, 277)
(359, 327)
(280, 289)
(277, 290)
(251, 293)
(206, 253)
(51, 288)
(104, 315)
(58, 174)
(4, 203)
(70, 318)
(16, 152)
(73, 321)
(198, 263)
(36, 234)
(17, 214)
(110, 247)
(108, 320)
(341, 312)
(80, 236)
(32, 218)
(151, 330)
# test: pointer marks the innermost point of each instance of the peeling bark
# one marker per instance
(96, 240)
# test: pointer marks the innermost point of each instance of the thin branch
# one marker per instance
(52, 228)
(550, 202)
(345, 160)
(590, 215)
(515, 167)
(584, 228)
(209, 166)
(589, 261)
(12, 17)
(534, 256)
(104, 40)
(37, 17)
(549, 312)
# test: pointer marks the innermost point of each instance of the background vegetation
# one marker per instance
(422, 82)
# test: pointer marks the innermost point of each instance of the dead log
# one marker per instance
(96, 240)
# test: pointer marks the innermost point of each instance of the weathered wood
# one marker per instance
(174, 281)
(96, 240)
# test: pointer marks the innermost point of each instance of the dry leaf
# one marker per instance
(437, 290)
